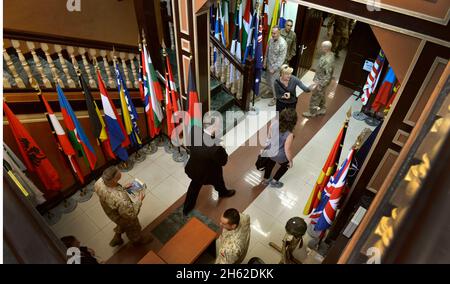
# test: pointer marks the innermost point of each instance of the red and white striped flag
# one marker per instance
(372, 79)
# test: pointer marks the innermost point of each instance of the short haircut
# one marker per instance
(288, 120)
(233, 216)
(327, 44)
(68, 241)
(289, 20)
(109, 174)
(275, 27)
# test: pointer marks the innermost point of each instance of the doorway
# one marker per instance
(314, 27)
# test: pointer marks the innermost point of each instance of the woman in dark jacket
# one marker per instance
(285, 88)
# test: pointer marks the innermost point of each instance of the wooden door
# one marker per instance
(307, 28)
(362, 46)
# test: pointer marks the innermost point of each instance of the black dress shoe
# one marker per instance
(228, 193)
(186, 212)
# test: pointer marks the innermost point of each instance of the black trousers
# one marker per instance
(282, 105)
(194, 190)
(280, 172)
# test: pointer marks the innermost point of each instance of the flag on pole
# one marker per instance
(247, 21)
(169, 107)
(235, 43)
(218, 36)
(173, 88)
(274, 19)
(221, 25)
(226, 25)
(258, 62)
(194, 110)
(372, 79)
(97, 122)
(116, 132)
(253, 29)
(327, 171)
(152, 130)
(385, 91)
(282, 21)
(153, 92)
(265, 25)
(323, 216)
(32, 155)
(75, 129)
(129, 113)
(256, 28)
(63, 140)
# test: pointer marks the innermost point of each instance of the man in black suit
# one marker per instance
(207, 157)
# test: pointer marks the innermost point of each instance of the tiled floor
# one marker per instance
(167, 182)
(273, 207)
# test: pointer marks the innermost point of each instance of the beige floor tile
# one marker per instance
(98, 216)
(82, 227)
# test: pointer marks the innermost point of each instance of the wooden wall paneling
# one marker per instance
(382, 170)
(400, 138)
(405, 24)
(202, 25)
(425, 91)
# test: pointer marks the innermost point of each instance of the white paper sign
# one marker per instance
(368, 66)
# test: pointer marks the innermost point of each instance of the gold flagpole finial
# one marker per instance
(143, 37)
(35, 85)
(94, 60)
(114, 54)
(349, 113)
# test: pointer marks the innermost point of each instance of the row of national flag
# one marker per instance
(111, 133)
(330, 186)
(250, 32)
(246, 22)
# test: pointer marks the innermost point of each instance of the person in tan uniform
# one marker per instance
(339, 29)
(119, 207)
(233, 243)
(291, 39)
(322, 79)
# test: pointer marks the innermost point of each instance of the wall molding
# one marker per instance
(408, 120)
(442, 21)
(387, 154)
(400, 133)
(374, 22)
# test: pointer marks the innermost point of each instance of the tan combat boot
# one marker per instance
(116, 241)
(309, 115)
(322, 111)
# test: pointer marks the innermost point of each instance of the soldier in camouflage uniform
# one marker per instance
(233, 243)
(324, 72)
(291, 39)
(340, 34)
(119, 207)
(276, 53)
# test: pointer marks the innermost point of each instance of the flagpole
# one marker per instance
(35, 85)
(178, 155)
(148, 148)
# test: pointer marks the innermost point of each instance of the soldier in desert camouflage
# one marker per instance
(233, 243)
(324, 73)
(119, 207)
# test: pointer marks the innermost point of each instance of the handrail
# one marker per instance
(231, 58)
(67, 41)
